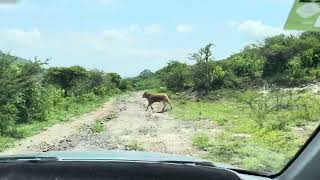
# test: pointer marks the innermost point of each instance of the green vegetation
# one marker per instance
(32, 97)
(134, 146)
(98, 126)
(243, 96)
(146, 80)
(280, 60)
(255, 126)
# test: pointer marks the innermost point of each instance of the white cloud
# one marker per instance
(153, 28)
(20, 37)
(257, 28)
(184, 28)
(99, 49)
(124, 34)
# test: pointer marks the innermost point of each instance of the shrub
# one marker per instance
(246, 63)
(9, 90)
(277, 51)
(176, 76)
(32, 104)
(307, 108)
(265, 104)
(73, 80)
(86, 97)
(203, 69)
(295, 69)
(123, 85)
(98, 126)
(311, 57)
(280, 122)
(8, 118)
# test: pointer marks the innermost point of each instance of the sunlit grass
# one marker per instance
(219, 112)
(242, 141)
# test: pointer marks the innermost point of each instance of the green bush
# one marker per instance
(295, 69)
(73, 80)
(146, 80)
(98, 126)
(278, 50)
(31, 94)
(246, 63)
(123, 85)
(278, 122)
(32, 104)
(311, 57)
(8, 118)
(282, 60)
(272, 105)
(176, 76)
(5, 142)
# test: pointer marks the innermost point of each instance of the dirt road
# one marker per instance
(126, 126)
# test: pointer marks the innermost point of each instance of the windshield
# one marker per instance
(217, 80)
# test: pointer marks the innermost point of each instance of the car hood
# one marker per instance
(117, 156)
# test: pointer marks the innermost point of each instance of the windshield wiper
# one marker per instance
(27, 159)
(195, 163)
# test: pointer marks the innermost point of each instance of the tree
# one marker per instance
(123, 85)
(32, 95)
(203, 69)
(278, 50)
(311, 57)
(9, 89)
(246, 63)
(72, 79)
(114, 80)
(146, 73)
(176, 75)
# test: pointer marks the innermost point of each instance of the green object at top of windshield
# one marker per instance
(304, 15)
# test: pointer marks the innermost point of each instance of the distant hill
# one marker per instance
(19, 60)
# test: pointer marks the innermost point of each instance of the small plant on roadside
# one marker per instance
(308, 108)
(134, 146)
(265, 105)
(225, 148)
(98, 126)
(261, 159)
(201, 141)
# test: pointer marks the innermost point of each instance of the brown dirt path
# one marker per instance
(127, 126)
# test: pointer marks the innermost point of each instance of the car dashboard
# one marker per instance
(89, 170)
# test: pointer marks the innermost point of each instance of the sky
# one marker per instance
(128, 36)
